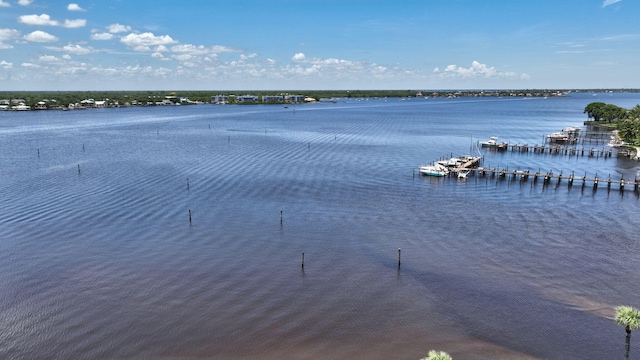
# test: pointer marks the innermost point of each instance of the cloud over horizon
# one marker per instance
(476, 70)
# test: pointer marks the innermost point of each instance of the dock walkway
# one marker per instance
(548, 177)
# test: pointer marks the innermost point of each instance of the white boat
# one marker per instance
(561, 137)
(434, 170)
(463, 174)
(493, 141)
(454, 162)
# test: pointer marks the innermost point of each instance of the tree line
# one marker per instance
(626, 121)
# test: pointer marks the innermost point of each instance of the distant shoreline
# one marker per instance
(52, 100)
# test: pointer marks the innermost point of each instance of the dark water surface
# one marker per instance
(102, 263)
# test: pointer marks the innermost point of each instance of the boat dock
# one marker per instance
(550, 176)
(564, 150)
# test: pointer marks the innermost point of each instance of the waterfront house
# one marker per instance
(246, 99)
(220, 99)
(272, 99)
(294, 98)
(88, 103)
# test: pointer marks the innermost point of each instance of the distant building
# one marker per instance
(220, 99)
(88, 103)
(294, 98)
(246, 99)
(272, 99)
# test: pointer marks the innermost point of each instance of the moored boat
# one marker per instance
(434, 170)
(493, 141)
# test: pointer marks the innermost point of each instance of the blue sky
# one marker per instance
(321, 44)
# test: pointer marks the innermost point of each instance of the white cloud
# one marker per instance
(4, 4)
(25, 2)
(222, 49)
(75, 23)
(40, 36)
(298, 57)
(476, 70)
(609, 2)
(102, 36)
(144, 41)
(8, 34)
(190, 49)
(6, 65)
(77, 49)
(30, 65)
(48, 58)
(45, 20)
(39, 20)
(118, 28)
(74, 7)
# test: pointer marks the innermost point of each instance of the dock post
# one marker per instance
(189, 216)
(399, 257)
(303, 259)
(78, 168)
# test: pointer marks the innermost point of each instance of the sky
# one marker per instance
(318, 45)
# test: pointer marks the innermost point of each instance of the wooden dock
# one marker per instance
(563, 150)
(550, 176)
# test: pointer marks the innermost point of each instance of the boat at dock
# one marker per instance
(567, 135)
(493, 143)
(562, 137)
(434, 170)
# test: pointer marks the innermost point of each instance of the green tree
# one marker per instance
(613, 113)
(634, 113)
(437, 355)
(629, 318)
(595, 110)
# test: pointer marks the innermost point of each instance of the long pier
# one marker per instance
(549, 176)
(562, 150)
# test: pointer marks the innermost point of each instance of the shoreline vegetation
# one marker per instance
(623, 123)
(65, 100)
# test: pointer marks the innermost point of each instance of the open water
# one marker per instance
(98, 258)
